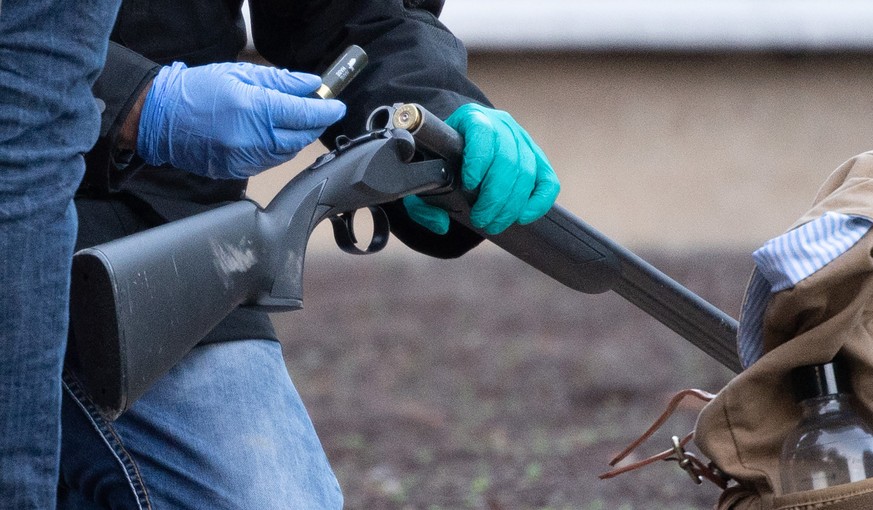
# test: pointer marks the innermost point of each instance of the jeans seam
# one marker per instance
(110, 437)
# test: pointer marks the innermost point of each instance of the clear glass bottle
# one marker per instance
(832, 444)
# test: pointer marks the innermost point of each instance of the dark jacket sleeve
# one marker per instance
(124, 76)
(413, 58)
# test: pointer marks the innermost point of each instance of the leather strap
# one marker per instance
(687, 460)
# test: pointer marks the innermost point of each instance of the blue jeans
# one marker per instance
(225, 429)
(50, 54)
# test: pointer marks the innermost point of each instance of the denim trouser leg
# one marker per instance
(225, 429)
(33, 319)
(50, 53)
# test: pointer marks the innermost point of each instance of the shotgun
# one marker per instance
(140, 303)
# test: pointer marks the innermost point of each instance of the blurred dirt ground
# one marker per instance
(481, 383)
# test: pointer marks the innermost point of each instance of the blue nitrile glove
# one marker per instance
(231, 120)
(514, 179)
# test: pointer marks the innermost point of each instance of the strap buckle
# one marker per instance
(684, 459)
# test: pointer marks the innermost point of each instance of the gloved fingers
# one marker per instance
(302, 113)
(282, 80)
(546, 188)
(431, 217)
(516, 200)
(480, 140)
(508, 185)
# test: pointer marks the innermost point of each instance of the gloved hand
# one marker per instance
(514, 179)
(231, 120)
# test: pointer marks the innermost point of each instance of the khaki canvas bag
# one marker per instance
(741, 430)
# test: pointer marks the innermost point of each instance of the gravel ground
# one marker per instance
(481, 383)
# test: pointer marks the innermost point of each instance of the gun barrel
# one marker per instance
(429, 131)
(581, 257)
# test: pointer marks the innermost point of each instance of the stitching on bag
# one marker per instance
(825, 502)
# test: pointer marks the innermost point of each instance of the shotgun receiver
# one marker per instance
(140, 303)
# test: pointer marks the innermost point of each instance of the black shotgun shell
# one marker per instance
(342, 71)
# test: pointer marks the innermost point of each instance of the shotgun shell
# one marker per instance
(342, 71)
(407, 117)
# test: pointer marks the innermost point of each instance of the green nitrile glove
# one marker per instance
(514, 180)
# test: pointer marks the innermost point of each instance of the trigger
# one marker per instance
(344, 231)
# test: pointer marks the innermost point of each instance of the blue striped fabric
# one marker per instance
(750, 341)
(788, 259)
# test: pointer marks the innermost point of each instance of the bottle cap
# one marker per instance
(821, 380)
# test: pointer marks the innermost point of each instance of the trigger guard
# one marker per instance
(344, 231)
